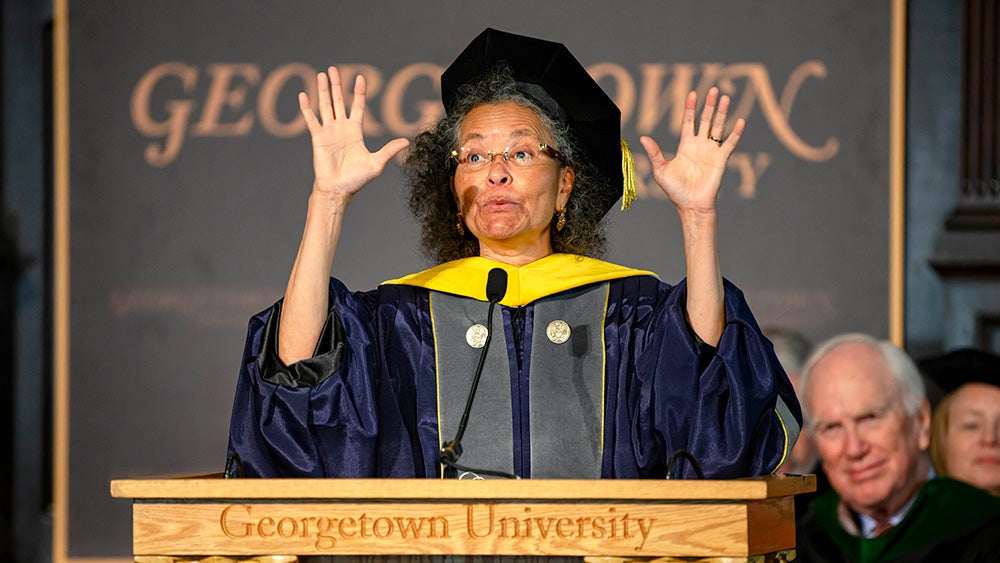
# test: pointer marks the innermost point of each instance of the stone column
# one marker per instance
(967, 256)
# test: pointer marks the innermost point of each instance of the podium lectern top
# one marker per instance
(604, 489)
(210, 515)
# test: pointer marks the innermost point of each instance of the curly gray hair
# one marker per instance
(429, 169)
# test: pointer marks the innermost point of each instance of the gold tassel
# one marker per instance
(628, 174)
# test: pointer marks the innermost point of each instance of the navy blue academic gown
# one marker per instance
(367, 403)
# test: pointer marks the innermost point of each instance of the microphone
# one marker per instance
(496, 287)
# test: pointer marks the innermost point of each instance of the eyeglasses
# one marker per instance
(472, 159)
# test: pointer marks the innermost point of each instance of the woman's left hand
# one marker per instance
(692, 178)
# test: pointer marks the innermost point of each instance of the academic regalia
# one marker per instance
(370, 402)
(948, 521)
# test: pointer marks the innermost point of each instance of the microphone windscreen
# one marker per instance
(496, 284)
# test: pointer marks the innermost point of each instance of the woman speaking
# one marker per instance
(586, 369)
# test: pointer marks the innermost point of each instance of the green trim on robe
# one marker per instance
(548, 276)
(944, 509)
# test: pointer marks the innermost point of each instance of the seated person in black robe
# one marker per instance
(965, 427)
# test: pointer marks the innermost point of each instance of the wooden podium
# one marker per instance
(603, 520)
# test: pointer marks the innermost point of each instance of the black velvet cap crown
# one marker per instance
(958, 367)
(554, 79)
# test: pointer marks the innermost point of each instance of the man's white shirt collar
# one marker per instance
(868, 523)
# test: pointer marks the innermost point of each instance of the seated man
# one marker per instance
(865, 404)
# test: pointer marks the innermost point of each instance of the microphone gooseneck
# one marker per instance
(496, 287)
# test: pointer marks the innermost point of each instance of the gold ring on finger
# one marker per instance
(716, 139)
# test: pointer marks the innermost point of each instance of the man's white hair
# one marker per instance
(904, 372)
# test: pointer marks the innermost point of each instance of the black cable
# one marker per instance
(458, 467)
(688, 456)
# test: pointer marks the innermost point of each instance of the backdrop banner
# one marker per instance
(190, 168)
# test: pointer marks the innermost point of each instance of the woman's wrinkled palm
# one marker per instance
(341, 161)
(692, 178)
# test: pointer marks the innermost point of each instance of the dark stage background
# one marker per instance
(190, 169)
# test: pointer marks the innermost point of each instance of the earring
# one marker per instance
(459, 226)
(561, 221)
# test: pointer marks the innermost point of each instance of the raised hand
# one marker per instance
(341, 161)
(692, 178)
(343, 165)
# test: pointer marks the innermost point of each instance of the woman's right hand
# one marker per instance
(341, 162)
